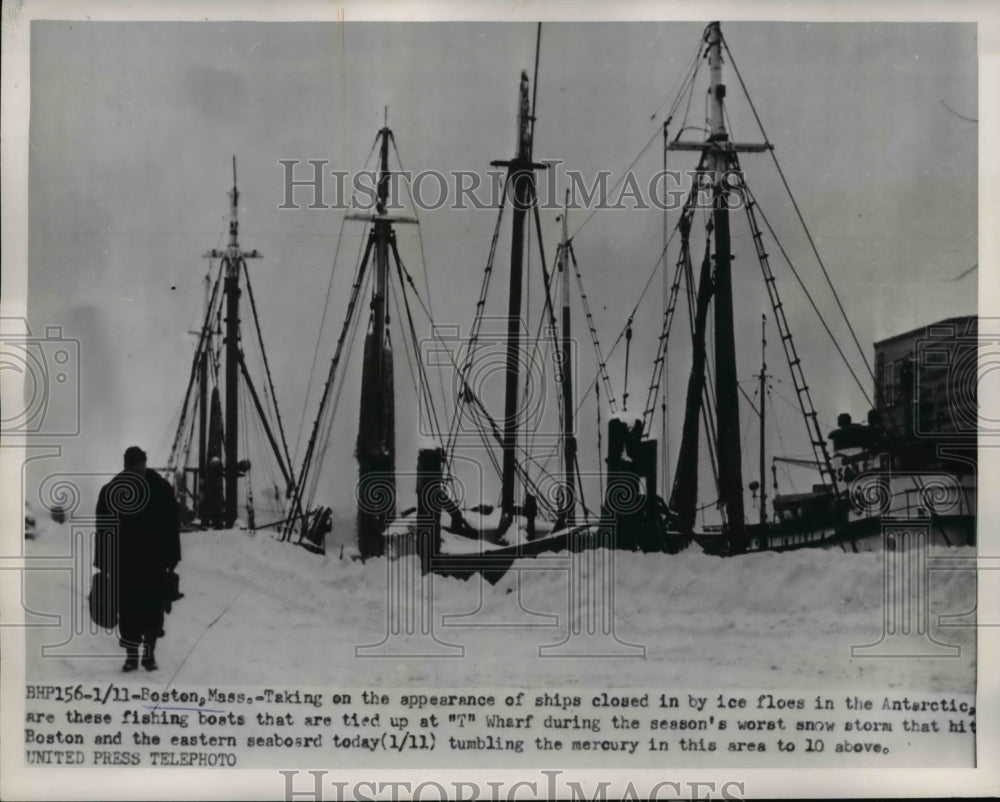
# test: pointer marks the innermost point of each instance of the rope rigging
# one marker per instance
(290, 477)
(306, 479)
(788, 344)
(798, 213)
(214, 300)
(326, 307)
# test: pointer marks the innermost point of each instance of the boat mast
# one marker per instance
(719, 157)
(376, 443)
(520, 176)
(569, 439)
(206, 337)
(727, 406)
(233, 262)
(762, 389)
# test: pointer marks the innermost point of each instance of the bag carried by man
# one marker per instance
(171, 590)
(103, 600)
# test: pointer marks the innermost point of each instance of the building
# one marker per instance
(926, 382)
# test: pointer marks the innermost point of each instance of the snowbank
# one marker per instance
(257, 610)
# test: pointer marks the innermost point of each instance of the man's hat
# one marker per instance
(134, 456)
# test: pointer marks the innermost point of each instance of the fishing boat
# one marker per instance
(883, 484)
(912, 464)
(212, 424)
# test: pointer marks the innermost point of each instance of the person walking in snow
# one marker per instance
(138, 548)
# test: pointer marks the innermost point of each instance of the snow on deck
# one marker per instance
(259, 611)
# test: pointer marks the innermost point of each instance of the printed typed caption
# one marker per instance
(119, 724)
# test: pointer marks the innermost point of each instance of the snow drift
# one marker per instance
(257, 611)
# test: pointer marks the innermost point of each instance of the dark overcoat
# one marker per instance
(138, 541)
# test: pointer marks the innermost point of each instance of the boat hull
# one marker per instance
(861, 535)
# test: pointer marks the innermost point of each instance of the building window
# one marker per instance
(889, 384)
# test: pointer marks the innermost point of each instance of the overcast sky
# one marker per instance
(133, 126)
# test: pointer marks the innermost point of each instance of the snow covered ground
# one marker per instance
(257, 611)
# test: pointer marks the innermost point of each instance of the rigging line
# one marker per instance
(781, 441)
(356, 289)
(621, 334)
(474, 398)
(709, 363)
(600, 461)
(587, 512)
(261, 419)
(664, 420)
(269, 459)
(628, 353)
(326, 305)
(627, 170)
(319, 336)
(686, 90)
(244, 438)
(477, 320)
(328, 428)
(423, 258)
(793, 405)
(414, 381)
(548, 306)
(708, 405)
(670, 301)
(465, 390)
(527, 317)
(562, 425)
(753, 406)
(707, 399)
(690, 94)
(202, 337)
(188, 399)
(171, 434)
(523, 475)
(798, 278)
(746, 421)
(602, 369)
(404, 273)
(678, 84)
(330, 417)
(421, 368)
(798, 212)
(188, 440)
(267, 372)
(406, 349)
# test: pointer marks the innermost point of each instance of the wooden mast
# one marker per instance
(566, 368)
(205, 347)
(376, 443)
(233, 262)
(232, 291)
(727, 404)
(718, 155)
(762, 389)
(521, 177)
